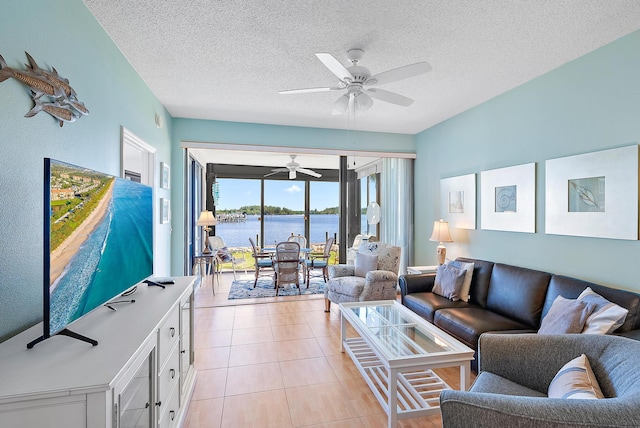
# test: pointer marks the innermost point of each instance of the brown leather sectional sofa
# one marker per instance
(508, 299)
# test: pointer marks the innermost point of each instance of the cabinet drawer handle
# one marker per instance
(159, 403)
(172, 372)
(183, 352)
(172, 331)
(172, 414)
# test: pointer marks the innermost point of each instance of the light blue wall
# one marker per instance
(590, 104)
(62, 34)
(263, 135)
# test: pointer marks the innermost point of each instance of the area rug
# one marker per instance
(243, 288)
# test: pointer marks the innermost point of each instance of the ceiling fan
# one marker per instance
(360, 84)
(293, 167)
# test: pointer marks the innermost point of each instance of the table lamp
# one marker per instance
(441, 234)
(206, 219)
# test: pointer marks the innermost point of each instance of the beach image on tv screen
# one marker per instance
(101, 240)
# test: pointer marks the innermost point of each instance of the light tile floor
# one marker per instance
(277, 363)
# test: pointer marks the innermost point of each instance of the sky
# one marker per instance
(235, 193)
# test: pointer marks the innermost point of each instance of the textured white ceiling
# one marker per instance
(227, 59)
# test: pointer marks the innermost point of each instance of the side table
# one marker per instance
(416, 270)
(206, 263)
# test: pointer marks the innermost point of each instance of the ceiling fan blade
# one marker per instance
(334, 66)
(389, 97)
(276, 171)
(292, 174)
(309, 172)
(399, 73)
(308, 90)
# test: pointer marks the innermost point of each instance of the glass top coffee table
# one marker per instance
(396, 351)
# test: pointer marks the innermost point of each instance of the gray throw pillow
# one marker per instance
(466, 286)
(449, 281)
(365, 263)
(566, 316)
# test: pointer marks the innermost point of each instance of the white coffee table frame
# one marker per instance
(405, 385)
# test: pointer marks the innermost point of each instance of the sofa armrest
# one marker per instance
(532, 360)
(465, 409)
(631, 334)
(375, 276)
(336, 271)
(416, 283)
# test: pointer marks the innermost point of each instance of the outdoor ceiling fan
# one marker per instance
(360, 85)
(293, 167)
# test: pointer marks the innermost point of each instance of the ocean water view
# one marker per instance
(89, 280)
(278, 228)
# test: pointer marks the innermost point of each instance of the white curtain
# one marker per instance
(396, 204)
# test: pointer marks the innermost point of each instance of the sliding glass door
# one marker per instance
(238, 211)
(284, 210)
(324, 218)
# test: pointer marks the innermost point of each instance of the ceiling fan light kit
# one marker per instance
(358, 82)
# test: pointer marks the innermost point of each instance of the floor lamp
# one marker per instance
(206, 219)
(441, 234)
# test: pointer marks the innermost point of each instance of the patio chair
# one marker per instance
(319, 261)
(224, 255)
(262, 261)
(287, 264)
(353, 250)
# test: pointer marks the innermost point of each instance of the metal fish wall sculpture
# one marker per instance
(60, 100)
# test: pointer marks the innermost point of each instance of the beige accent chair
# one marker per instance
(378, 284)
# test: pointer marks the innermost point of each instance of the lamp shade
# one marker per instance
(206, 219)
(441, 231)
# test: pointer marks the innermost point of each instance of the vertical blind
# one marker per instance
(396, 204)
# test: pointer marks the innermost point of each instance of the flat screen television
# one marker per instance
(98, 242)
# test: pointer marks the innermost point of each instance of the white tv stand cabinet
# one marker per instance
(140, 374)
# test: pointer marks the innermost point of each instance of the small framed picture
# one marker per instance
(165, 210)
(164, 175)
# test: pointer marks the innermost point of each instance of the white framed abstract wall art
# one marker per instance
(165, 210)
(458, 201)
(508, 198)
(593, 194)
(164, 175)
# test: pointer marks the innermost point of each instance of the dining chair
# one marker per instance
(262, 261)
(319, 261)
(287, 264)
(302, 241)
